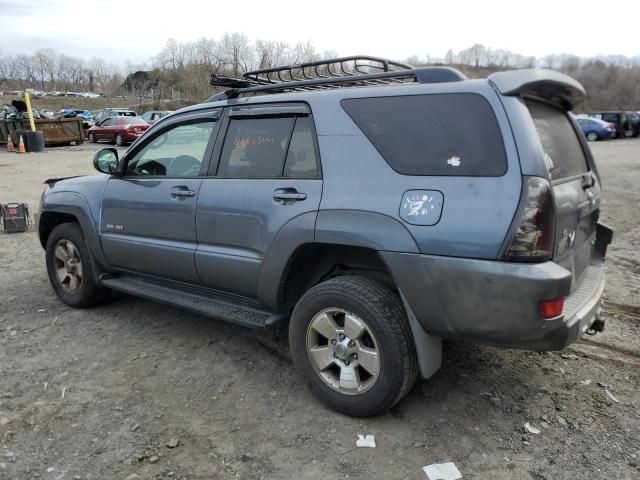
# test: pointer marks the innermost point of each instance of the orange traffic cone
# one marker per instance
(10, 144)
(21, 146)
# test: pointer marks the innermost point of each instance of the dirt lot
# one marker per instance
(99, 394)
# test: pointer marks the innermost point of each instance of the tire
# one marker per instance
(66, 247)
(119, 140)
(92, 138)
(592, 136)
(352, 302)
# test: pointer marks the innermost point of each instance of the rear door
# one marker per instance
(575, 185)
(265, 173)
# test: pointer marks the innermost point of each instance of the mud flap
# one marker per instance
(428, 347)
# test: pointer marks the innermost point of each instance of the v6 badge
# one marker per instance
(421, 207)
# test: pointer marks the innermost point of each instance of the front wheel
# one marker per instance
(70, 267)
(350, 338)
(92, 138)
(592, 136)
(120, 140)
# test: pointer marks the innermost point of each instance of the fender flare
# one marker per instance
(74, 204)
(338, 227)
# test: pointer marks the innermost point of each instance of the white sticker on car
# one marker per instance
(454, 161)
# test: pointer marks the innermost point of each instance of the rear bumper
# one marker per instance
(496, 303)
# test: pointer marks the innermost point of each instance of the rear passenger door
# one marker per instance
(265, 172)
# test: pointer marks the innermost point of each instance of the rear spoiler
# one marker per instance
(553, 86)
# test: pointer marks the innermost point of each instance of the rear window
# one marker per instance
(133, 120)
(564, 156)
(438, 134)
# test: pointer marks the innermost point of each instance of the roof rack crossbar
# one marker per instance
(346, 66)
(328, 74)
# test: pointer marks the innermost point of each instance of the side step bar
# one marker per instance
(232, 308)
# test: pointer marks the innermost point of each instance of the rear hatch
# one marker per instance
(575, 185)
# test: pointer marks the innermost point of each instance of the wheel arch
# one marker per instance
(324, 236)
(65, 207)
(312, 263)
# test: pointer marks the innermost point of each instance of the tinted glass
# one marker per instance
(443, 134)
(177, 152)
(302, 161)
(565, 157)
(255, 148)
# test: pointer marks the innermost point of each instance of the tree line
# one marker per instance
(612, 81)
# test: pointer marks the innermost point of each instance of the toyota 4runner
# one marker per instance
(374, 207)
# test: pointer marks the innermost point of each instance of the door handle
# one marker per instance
(288, 195)
(180, 192)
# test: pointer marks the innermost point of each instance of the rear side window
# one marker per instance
(438, 134)
(564, 156)
(255, 148)
(302, 161)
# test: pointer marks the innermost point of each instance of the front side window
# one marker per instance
(255, 147)
(437, 134)
(177, 152)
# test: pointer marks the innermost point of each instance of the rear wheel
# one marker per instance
(350, 338)
(592, 136)
(70, 267)
(120, 140)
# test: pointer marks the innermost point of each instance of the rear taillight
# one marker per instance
(534, 236)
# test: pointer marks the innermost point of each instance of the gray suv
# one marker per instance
(373, 207)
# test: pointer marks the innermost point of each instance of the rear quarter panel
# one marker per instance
(477, 211)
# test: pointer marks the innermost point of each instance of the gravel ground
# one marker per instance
(137, 390)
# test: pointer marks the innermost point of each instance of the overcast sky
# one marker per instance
(135, 30)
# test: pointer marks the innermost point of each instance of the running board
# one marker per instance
(231, 308)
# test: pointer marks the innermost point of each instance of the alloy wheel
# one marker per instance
(343, 351)
(68, 266)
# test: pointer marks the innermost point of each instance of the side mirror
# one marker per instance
(106, 161)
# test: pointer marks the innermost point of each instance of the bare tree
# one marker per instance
(237, 51)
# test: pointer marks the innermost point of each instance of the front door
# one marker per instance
(104, 132)
(268, 173)
(148, 222)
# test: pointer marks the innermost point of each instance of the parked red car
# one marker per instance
(121, 130)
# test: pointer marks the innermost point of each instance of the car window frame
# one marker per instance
(581, 140)
(160, 128)
(264, 110)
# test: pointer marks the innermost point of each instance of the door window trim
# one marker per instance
(264, 110)
(174, 122)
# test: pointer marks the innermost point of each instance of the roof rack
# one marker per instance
(355, 71)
